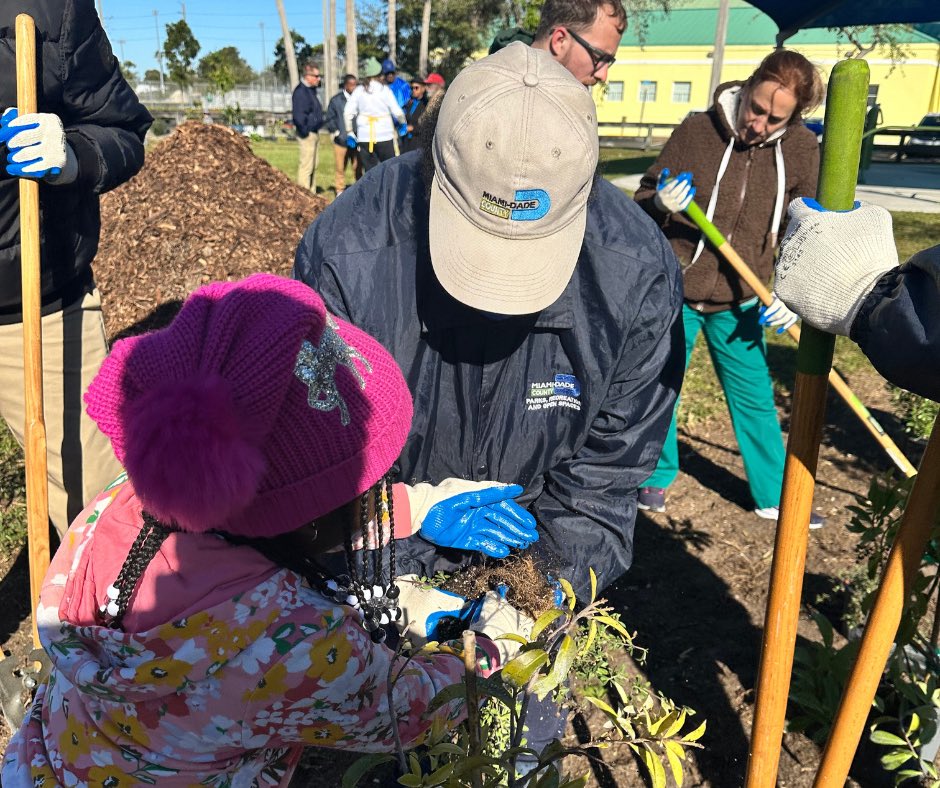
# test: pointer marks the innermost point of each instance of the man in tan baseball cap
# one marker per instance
(533, 307)
(515, 152)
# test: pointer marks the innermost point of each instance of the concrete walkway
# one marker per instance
(898, 187)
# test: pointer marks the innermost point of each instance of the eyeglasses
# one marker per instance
(598, 56)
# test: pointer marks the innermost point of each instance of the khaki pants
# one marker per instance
(343, 156)
(81, 462)
(307, 166)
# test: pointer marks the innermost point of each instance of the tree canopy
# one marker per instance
(180, 48)
(226, 64)
(302, 50)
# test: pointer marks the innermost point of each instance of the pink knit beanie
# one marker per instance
(253, 412)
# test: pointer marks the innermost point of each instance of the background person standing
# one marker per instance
(373, 118)
(307, 114)
(343, 155)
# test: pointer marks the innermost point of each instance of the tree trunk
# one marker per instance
(425, 31)
(352, 45)
(289, 53)
(392, 31)
(331, 85)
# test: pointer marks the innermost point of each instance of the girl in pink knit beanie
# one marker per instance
(195, 636)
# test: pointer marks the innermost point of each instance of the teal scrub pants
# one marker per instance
(736, 344)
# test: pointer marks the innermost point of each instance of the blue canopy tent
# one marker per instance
(794, 15)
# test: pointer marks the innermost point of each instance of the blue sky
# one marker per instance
(215, 23)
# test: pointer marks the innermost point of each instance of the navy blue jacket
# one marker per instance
(335, 122)
(306, 111)
(572, 403)
(79, 80)
(898, 325)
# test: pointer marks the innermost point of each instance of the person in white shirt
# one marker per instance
(373, 118)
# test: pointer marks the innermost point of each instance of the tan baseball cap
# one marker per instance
(515, 151)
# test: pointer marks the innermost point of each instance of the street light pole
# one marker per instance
(156, 27)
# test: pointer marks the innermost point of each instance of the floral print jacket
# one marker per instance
(223, 696)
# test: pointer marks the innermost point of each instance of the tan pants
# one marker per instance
(307, 166)
(343, 156)
(81, 462)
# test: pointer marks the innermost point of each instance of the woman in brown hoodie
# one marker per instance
(750, 155)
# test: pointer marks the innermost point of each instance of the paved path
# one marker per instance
(897, 187)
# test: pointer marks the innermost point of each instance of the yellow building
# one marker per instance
(668, 77)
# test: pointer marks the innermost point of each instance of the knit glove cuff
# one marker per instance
(423, 496)
(830, 261)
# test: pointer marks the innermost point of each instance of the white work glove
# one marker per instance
(673, 195)
(830, 261)
(424, 608)
(495, 618)
(471, 515)
(777, 315)
(36, 147)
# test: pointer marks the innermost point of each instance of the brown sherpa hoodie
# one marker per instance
(748, 196)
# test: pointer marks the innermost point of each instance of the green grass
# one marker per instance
(283, 154)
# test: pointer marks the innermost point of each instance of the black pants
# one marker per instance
(381, 151)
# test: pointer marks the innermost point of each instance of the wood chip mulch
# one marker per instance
(203, 208)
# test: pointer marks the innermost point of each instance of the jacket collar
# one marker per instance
(438, 310)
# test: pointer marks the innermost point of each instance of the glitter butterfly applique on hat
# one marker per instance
(316, 369)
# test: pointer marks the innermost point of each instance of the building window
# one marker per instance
(647, 91)
(681, 92)
(615, 91)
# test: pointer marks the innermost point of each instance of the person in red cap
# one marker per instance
(196, 634)
(435, 84)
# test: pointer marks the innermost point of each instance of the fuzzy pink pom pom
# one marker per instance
(213, 470)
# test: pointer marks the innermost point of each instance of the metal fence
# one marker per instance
(256, 97)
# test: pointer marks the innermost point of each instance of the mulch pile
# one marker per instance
(203, 208)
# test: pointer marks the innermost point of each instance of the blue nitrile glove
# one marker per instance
(673, 195)
(351, 141)
(777, 315)
(424, 609)
(403, 130)
(485, 519)
(36, 147)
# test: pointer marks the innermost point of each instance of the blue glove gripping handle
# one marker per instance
(8, 133)
(467, 614)
(403, 130)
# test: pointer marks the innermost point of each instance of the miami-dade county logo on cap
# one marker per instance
(528, 205)
(562, 392)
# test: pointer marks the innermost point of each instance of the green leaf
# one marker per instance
(888, 739)
(440, 776)
(654, 766)
(544, 620)
(895, 759)
(604, 707)
(523, 666)
(549, 778)
(593, 584)
(577, 782)
(564, 659)
(410, 780)
(514, 638)
(569, 593)
(449, 693)
(676, 726)
(614, 624)
(592, 634)
(446, 747)
(915, 724)
(675, 754)
(362, 767)
(696, 734)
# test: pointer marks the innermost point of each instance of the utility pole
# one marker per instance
(327, 55)
(718, 56)
(156, 27)
(331, 84)
(264, 50)
(289, 53)
(183, 12)
(392, 32)
(121, 43)
(101, 15)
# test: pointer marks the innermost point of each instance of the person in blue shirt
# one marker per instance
(398, 86)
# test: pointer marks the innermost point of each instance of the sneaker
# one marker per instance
(651, 499)
(773, 512)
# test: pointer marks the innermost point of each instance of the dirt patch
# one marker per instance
(204, 208)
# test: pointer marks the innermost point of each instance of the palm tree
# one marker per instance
(423, 46)
(352, 45)
(392, 28)
(331, 85)
(289, 53)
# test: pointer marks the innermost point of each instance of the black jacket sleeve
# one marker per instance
(104, 121)
(898, 325)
